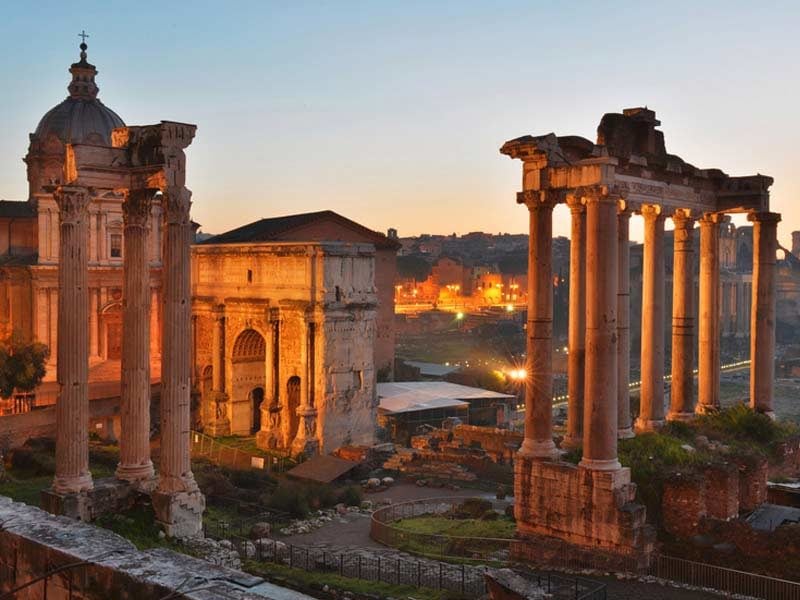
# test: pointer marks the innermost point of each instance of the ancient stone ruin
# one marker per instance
(591, 506)
(142, 162)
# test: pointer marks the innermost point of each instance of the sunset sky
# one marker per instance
(392, 113)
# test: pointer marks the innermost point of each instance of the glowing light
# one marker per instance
(459, 316)
(509, 308)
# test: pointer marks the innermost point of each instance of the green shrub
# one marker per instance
(739, 424)
(471, 508)
(351, 496)
(32, 463)
(290, 498)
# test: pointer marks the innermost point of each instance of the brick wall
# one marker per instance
(684, 504)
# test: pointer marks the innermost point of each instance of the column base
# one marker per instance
(75, 505)
(683, 417)
(706, 409)
(305, 447)
(571, 443)
(611, 464)
(180, 513)
(645, 425)
(73, 484)
(545, 450)
(106, 497)
(770, 413)
(135, 473)
(625, 433)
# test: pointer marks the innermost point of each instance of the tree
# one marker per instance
(22, 365)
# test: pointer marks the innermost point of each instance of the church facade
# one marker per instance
(29, 237)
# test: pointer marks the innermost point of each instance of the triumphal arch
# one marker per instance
(142, 163)
(628, 171)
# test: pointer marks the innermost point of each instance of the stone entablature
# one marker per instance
(292, 328)
(630, 162)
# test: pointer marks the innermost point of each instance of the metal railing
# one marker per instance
(467, 580)
(382, 530)
(723, 579)
(565, 558)
(204, 446)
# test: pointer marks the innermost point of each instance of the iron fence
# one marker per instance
(464, 579)
(204, 446)
(565, 557)
(723, 579)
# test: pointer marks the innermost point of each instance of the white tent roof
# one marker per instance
(410, 396)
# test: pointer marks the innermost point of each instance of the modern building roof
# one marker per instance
(412, 396)
(427, 369)
(322, 468)
(279, 228)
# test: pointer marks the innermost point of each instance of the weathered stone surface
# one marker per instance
(35, 542)
(590, 509)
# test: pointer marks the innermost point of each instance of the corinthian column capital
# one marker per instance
(177, 201)
(136, 208)
(683, 219)
(72, 202)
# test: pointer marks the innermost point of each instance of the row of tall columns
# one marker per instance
(72, 409)
(134, 442)
(599, 345)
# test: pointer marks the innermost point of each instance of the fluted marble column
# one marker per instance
(72, 407)
(762, 316)
(651, 412)
(94, 328)
(538, 442)
(577, 324)
(708, 312)
(155, 329)
(134, 442)
(175, 472)
(600, 400)
(623, 325)
(682, 398)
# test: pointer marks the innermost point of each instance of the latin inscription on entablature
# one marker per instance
(642, 191)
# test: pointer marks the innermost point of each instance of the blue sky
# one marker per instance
(392, 113)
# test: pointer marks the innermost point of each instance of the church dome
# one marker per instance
(81, 118)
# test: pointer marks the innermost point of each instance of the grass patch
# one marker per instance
(311, 582)
(27, 490)
(502, 527)
(138, 525)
